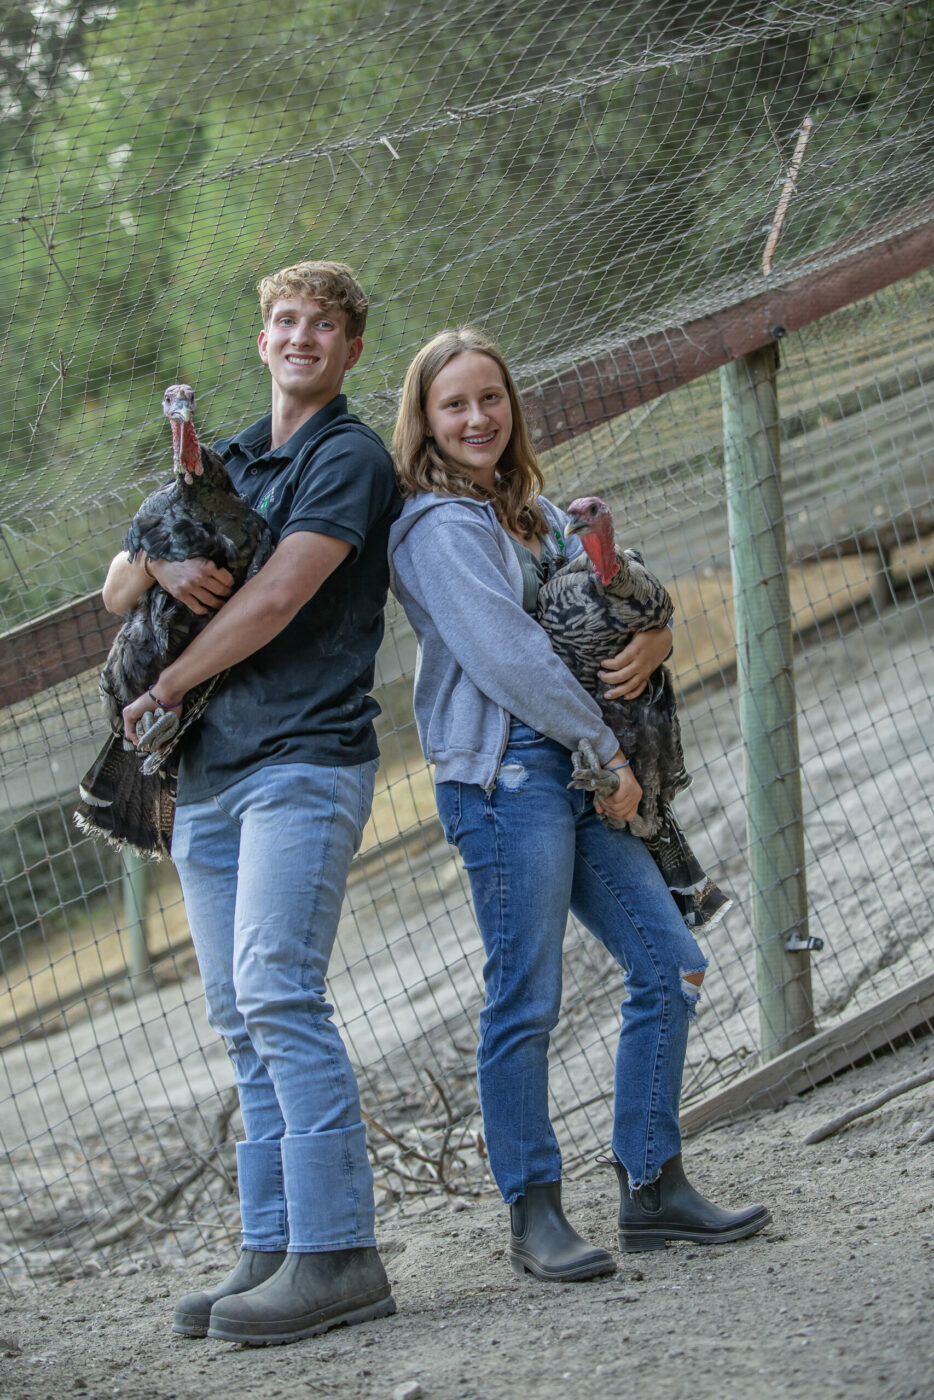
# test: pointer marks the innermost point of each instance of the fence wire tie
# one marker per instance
(810, 943)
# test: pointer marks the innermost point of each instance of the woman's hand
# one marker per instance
(197, 583)
(628, 672)
(624, 803)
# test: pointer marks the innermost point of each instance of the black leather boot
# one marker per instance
(193, 1312)
(670, 1209)
(543, 1243)
(309, 1294)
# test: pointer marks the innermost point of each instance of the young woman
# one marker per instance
(498, 714)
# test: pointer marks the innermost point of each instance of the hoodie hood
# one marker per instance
(417, 506)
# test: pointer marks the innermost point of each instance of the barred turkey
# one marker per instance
(591, 606)
(128, 796)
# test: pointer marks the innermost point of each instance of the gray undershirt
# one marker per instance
(533, 574)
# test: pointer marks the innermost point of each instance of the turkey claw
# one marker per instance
(155, 729)
(589, 775)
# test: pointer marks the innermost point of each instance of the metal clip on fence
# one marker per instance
(810, 943)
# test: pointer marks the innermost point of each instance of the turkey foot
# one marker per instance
(590, 776)
(155, 729)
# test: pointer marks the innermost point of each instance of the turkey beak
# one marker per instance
(181, 409)
(575, 526)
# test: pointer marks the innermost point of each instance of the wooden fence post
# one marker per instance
(134, 883)
(768, 712)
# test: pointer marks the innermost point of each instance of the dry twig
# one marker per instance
(860, 1110)
(788, 190)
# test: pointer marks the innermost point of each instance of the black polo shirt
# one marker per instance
(304, 697)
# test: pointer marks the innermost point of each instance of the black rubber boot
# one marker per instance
(309, 1294)
(193, 1312)
(670, 1209)
(543, 1243)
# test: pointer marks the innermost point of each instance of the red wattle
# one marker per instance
(605, 563)
(190, 449)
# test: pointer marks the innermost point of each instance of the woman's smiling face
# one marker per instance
(469, 414)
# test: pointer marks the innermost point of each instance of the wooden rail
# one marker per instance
(908, 1011)
(643, 369)
(54, 648)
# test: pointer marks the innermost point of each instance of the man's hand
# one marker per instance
(628, 672)
(197, 583)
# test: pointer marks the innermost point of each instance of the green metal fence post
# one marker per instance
(752, 469)
(133, 882)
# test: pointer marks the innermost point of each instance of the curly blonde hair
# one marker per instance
(328, 283)
(420, 465)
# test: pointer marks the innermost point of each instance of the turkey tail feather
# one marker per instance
(701, 902)
(125, 806)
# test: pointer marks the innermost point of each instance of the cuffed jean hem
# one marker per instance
(262, 1196)
(329, 1189)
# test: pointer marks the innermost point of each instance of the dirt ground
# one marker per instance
(834, 1299)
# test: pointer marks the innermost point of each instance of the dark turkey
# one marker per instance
(591, 607)
(128, 796)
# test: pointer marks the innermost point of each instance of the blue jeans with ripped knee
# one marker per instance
(533, 849)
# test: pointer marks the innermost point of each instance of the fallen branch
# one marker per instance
(218, 1138)
(407, 1149)
(142, 1213)
(861, 1109)
(435, 1084)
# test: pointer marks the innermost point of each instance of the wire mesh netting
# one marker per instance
(569, 177)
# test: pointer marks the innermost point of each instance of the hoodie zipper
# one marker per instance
(504, 744)
(557, 544)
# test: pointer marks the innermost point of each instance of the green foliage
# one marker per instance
(39, 44)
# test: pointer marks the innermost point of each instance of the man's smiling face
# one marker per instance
(306, 348)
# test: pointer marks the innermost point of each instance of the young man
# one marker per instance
(275, 785)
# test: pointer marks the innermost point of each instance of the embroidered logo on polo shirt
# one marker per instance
(267, 499)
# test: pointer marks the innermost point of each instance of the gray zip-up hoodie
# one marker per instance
(481, 658)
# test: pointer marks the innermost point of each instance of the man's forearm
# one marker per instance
(125, 583)
(242, 626)
(253, 616)
(256, 614)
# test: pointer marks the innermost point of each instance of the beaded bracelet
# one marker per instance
(606, 770)
(161, 703)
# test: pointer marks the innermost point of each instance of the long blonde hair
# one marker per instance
(421, 466)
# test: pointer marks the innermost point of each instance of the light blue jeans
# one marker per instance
(533, 849)
(263, 868)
